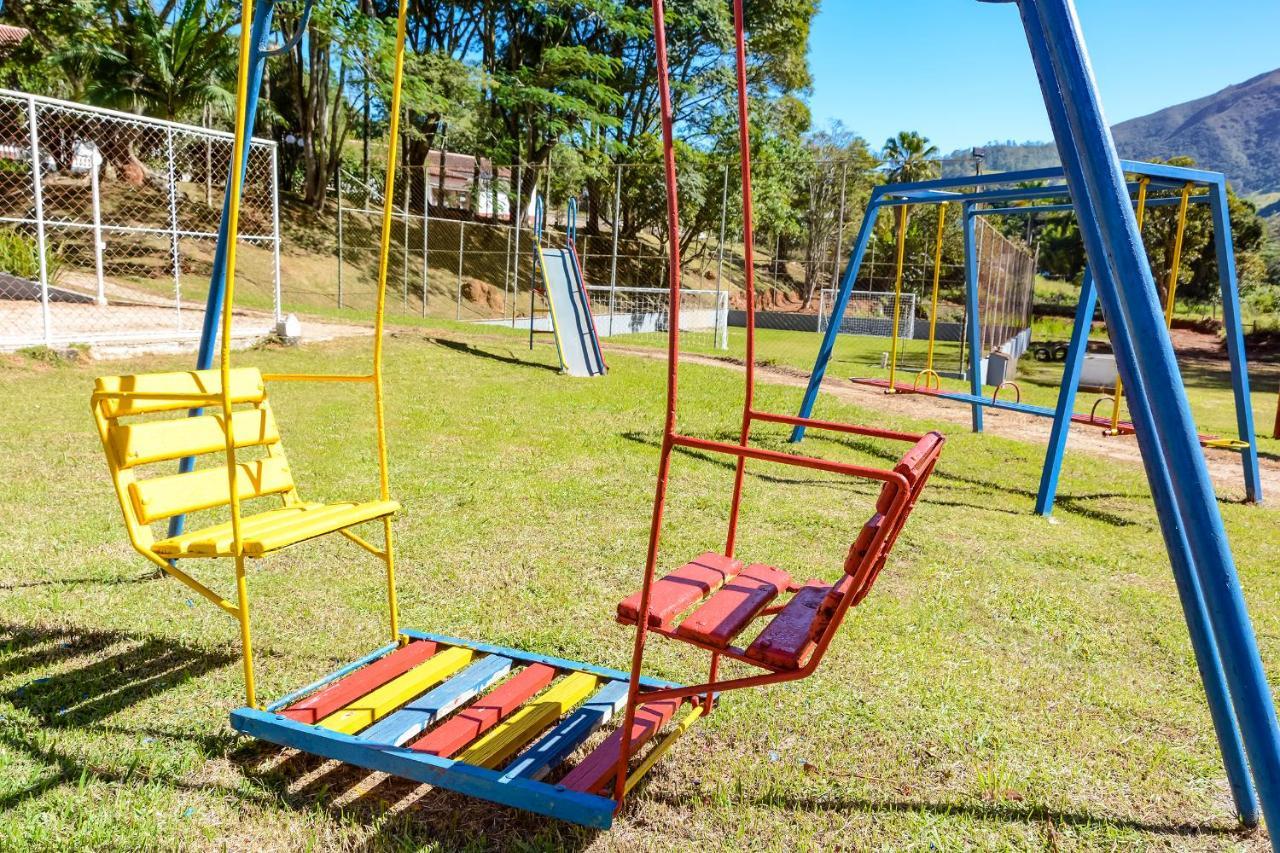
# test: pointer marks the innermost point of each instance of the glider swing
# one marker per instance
(485, 720)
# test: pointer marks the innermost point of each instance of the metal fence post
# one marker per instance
(341, 261)
(95, 189)
(462, 231)
(517, 214)
(404, 261)
(172, 178)
(426, 232)
(275, 233)
(835, 263)
(41, 243)
(613, 260)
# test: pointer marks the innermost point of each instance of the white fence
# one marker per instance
(109, 222)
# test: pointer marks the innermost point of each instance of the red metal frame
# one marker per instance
(904, 492)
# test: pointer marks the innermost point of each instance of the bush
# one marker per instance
(20, 256)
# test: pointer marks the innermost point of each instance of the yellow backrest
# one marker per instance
(147, 440)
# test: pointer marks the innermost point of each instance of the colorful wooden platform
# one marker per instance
(484, 720)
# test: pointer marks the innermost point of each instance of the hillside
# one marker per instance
(1232, 131)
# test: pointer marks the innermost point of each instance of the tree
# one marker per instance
(839, 180)
(910, 158)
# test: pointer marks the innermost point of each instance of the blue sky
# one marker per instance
(963, 76)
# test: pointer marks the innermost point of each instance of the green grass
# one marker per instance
(1011, 683)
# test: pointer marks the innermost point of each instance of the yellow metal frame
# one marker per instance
(929, 375)
(139, 533)
(1171, 290)
(903, 215)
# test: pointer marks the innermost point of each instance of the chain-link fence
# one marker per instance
(109, 222)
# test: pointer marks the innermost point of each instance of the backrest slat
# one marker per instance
(157, 498)
(158, 441)
(246, 387)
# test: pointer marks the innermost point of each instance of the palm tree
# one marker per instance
(910, 158)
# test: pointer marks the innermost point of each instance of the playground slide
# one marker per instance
(575, 328)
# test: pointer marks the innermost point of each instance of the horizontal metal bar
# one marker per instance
(835, 426)
(316, 377)
(790, 459)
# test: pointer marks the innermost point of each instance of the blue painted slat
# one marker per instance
(557, 744)
(417, 716)
(527, 794)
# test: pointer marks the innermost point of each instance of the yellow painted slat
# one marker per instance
(308, 525)
(661, 749)
(525, 724)
(246, 387)
(367, 710)
(157, 441)
(161, 497)
(251, 525)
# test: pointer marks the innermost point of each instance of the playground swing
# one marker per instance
(481, 719)
(1117, 427)
(929, 376)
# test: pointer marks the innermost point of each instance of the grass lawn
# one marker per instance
(1011, 682)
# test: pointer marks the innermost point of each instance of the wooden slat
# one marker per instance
(507, 739)
(559, 743)
(364, 680)
(367, 710)
(486, 712)
(673, 594)
(250, 525)
(597, 770)
(787, 639)
(161, 497)
(246, 387)
(156, 441)
(309, 525)
(420, 714)
(730, 610)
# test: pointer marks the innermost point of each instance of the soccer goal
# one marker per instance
(646, 311)
(869, 313)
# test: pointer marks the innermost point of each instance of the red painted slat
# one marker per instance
(919, 458)
(786, 640)
(597, 770)
(674, 593)
(727, 613)
(486, 712)
(346, 690)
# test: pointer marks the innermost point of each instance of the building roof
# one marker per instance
(11, 37)
(460, 170)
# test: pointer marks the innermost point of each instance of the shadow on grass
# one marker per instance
(406, 814)
(471, 349)
(1020, 813)
(120, 671)
(88, 581)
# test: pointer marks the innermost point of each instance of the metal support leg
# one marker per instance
(1166, 433)
(1067, 396)
(837, 313)
(1235, 339)
(973, 320)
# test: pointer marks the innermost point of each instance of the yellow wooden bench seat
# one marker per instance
(274, 529)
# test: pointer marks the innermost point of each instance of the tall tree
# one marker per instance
(910, 157)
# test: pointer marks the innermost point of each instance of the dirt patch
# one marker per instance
(1224, 465)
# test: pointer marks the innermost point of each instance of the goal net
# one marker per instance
(869, 313)
(645, 312)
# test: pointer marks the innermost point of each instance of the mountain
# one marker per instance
(1235, 131)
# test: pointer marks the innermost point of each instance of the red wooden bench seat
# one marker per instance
(678, 591)
(726, 614)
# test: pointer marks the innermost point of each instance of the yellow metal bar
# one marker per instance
(929, 372)
(384, 264)
(365, 544)
(897, 295)
(316, 377)
(1175, 263)
(658, 751)
(186, 580)
(246, 641)
(233, 233)
(1143, 186)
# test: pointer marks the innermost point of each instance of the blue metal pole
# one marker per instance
(837, 311)
(262, 15)
(1222, 243)
(1166, 433)
(973, 324)
(1067, 396)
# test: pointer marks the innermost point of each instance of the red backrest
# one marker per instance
(863, 564)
